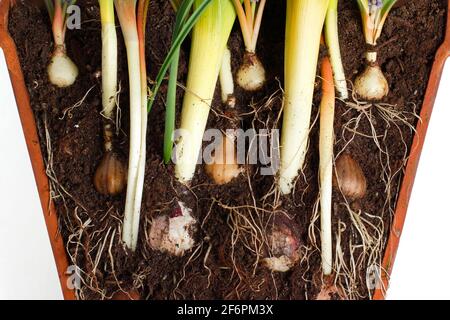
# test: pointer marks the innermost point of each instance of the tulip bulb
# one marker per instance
(110, 177)
(224, 167)
(173, 233)
(285, 246)
(349, 178)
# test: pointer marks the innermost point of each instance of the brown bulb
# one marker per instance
(110, 177)
(349, 178)
(222, 170)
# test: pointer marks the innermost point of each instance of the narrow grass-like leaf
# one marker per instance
(363, 5)
(387, 6)
(50, 8)
(184, 32)
(176, 4)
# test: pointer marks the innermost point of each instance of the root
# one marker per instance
(118, 112)
(90, 253)
(247, 228)
(96, 250)
(393, 118)
(57, 190)
(69, 110)
(193, 257)
(361, 255)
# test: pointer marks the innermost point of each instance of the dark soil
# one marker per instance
(90, 222)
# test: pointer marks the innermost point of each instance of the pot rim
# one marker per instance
(49, 210)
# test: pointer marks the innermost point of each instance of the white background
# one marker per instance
(27, 269)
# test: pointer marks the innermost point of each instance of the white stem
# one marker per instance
(226, 76)
(109, 69)
(371, 56)
(142, 160)
(135, 176)
(304, 24)
(332, 39)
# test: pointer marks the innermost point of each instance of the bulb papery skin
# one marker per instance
(251, 76)
(371, 85)
(62, 72)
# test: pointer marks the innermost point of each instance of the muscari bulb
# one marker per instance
(251, 75)
(371, 84)
(62, 72)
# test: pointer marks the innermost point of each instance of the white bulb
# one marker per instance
(371, 84)
(251, 75)
(62, 72)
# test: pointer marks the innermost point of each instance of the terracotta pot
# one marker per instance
(411, 168)
(31, 136)
(34, 149)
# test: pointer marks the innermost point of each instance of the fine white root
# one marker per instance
(363, 253)
(69, 110)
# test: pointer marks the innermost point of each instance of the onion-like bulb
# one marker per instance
(62, 72)
(251, 75)
(371, 85)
